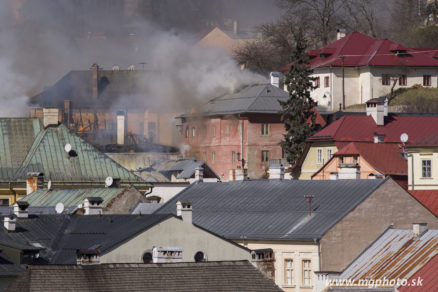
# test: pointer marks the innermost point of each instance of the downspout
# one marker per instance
(412, 169)
(150, 190)
(241, 142)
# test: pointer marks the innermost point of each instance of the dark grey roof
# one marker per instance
(272, 209)
(259, 98)
(61, 235)
(35, 210)
(8, 267)
(145, 208)
(225, 276)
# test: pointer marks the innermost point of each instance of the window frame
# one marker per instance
(426, 170)
(427, 80)
(264, 130)
(187, 132)
(319, 156)
(265, 156)
(233, 156)
(287, 271)
(213, 131)
(227, 130)
(386, 79)
(213, 157)
(317, 82)
(403, 80)
(193, 132)
(329, 153)
(327, 82)
(309, 270)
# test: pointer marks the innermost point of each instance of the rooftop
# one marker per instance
(209, 276)
(272, 209)
(429, 198)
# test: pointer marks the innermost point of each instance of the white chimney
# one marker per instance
(184, 209)
(20, 209)
(10, 223)
(241, 173)
(87, 257)
(376, 109)
(50, 117)
(199, 174)
(93, 206)
(276, 171)
(34, 181)
(340, 33)
(235, 26)
(419, 228)
(121, 128)
(275, 79)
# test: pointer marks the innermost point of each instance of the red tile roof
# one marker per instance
(429, 199)
(358, 49)
(428, 274)
(429, 141)
(385, 158)
(361, 128)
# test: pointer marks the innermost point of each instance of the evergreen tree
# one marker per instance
(298, 113)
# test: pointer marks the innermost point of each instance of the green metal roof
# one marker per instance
(70, 197)
(16, 137)
(47, 155)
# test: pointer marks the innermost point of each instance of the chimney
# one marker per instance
(10, 222)
(379, 137)
(184, 209)
(340, 33)
(87, 256)
(121, 125)
(376, 109)
(50, 117)
(199, 174)
(34, 181)
(241, 174)
(419, 228)
(95, 81)
(235, 27)
(275, 79)
(67, 112)
(93, 206)
(20, 209)
(276, 171)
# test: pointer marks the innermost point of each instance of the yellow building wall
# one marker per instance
(310, 163)
(298, 252)
(416, 181)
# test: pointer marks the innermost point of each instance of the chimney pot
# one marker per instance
(121, 126)
(10, 223)
(34, 181)
(21, 209)
(276, 171)
(50, 117)
(93, 206)
(419, 228)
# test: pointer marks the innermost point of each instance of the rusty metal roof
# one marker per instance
(396, 254)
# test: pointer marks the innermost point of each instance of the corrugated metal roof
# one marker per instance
(428, 274)
(397, 254)
(62, 235)
(47, 155)
(70, 197)
(146, 208)
(16, 138)
(272, 209)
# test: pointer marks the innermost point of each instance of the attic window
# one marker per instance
(401, 53)
(324, 55)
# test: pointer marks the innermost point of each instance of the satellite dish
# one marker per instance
(404, 137)
(59, 208)
(49, 185)
(67, 148)
(109, 181)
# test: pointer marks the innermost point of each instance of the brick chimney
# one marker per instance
(184, 209)
(10, 223)
(34, 181)
(21, 209)
(93, 206)
(121, 125)
(50, 117)
(95, 81)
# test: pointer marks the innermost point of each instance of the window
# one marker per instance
(193, 132)
(427, 168)
(403, 80)
(329, 153)
(4, 202)
(233, 157)
(213, 157)
(307, 273)
(288, 272)
(426, 80)
(317, 82)
(204, 156)
(213, 131)
(187, 132)
(319, 157)
(227, 130)
(265, 129)
(386, 80)
(265, 155)
(326, 81)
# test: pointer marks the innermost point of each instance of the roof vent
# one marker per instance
(131, 67)
(116, 68)
(10, 222)
(20, 209)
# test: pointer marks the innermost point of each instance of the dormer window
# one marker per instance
(401, 53)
